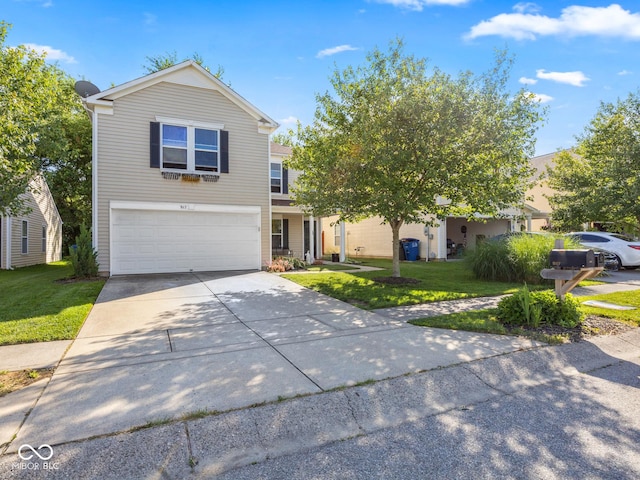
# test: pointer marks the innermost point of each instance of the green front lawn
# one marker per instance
(36, 306)
(438, 281)
(629, 298)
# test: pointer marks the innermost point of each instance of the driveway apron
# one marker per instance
(163, 347)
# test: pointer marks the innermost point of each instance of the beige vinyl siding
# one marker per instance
(374, 237)
(123, 157)
(296, 242)
(51, 219)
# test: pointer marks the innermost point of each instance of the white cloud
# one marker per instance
(576, 79)
(51, 53)
(542, 97)
(332, 51)
(524, 7)
(527, 81)
(418, 5)
(44, 3)
(624, 72)
(290, 120)
(611, 21)
(149, 18)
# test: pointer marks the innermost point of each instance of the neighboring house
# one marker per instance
(36, 236)
(180, 175)
(541, 209)
(372, 238)
(453, 235)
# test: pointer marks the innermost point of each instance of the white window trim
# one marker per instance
(279, 218)
(271, 178)
(44, 238)
(337, 234)
(191, 125)
(23, 237)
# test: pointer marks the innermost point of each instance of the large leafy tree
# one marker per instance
(43, 129)
(31, 93)
(599, 181)
(155, 63)
(64, 151)
(401, 142)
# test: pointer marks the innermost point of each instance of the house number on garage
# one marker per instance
(187, 207)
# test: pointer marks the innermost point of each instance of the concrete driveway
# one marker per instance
(166, 346)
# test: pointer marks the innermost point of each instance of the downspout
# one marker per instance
(8, 243)
(94, 180)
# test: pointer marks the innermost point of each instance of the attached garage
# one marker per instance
(169, 238)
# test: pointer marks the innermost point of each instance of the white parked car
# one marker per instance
(625, 248)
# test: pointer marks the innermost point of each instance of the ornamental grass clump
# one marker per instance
(518, 258)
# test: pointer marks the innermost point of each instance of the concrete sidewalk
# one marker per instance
(205, 446)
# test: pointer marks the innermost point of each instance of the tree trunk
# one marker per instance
(395, 230)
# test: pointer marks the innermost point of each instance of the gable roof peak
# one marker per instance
(188, 73)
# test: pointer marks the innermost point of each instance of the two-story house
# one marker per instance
(181, 176)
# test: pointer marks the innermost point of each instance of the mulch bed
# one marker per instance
(11, 381)
(592, 326)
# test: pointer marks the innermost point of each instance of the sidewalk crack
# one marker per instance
(484, 382)
(170, 342)
(193, 461)
(353, 413)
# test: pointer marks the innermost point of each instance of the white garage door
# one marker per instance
(158, 241)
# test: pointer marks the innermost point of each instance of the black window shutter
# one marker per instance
(285, 180)
(155, 145)
(285, 233)
(224, 151)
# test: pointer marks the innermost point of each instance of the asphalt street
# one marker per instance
(581, 427)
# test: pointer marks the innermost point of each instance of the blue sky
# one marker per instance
(279, 54)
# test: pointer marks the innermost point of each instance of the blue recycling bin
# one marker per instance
(411, 247)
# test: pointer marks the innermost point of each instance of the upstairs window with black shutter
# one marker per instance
(189, 148)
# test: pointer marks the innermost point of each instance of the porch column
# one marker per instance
(529, 223)
(442, 240)
(312, 237)
(319, 238)
(343, 242)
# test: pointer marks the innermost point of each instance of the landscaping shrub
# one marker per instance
(282, 264)
(518, 258)
(536, 308)
(83, 256)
